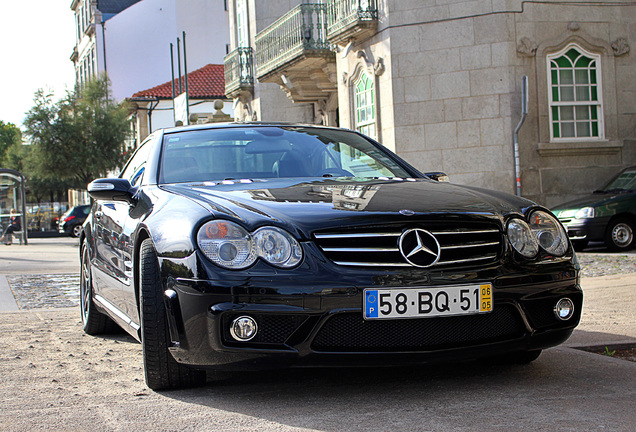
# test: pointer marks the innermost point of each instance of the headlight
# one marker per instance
(227, 244)
(277, 247)
(522, 239)
(585, 213)
(230, 246)
(549, 232)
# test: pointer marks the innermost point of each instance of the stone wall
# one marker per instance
(449, 95)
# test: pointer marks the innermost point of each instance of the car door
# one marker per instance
(134, 173)
(113, 273)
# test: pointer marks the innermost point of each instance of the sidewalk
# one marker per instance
(41, 256)
(609, 312)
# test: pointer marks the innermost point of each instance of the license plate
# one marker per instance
(427, 302)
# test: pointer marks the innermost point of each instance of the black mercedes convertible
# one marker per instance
(260, 245)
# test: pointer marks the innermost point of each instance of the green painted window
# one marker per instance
(365, 105)
(575, 94)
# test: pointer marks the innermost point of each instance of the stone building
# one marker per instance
(440, 83)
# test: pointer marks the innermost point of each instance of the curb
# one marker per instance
(7, 299)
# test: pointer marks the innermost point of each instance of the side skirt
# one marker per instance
(117, 313)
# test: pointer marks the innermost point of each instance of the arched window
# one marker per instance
(576, 111)
(365, 105)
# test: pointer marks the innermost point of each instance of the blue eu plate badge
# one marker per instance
(371, 304)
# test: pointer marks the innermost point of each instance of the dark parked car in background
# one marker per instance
(71, 221)
(607, 214)
(252, 246)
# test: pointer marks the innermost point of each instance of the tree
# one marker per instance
(80, 137)
(10, 137)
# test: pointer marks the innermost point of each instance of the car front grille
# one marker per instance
(461, 243)
(349, 332)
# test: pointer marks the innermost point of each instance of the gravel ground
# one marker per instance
(55, 377)
(596, 264)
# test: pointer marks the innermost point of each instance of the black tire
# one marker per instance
(94, 322)
(620, 235)
(160, 368)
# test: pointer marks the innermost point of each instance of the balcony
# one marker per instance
(294, 53)
(351, 19)
(239, 72)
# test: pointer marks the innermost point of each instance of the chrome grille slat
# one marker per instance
(485, 257)
(345, 249)
(366, 264)
(460, 242)
(356, 235)
(492, 231)
(470, 245)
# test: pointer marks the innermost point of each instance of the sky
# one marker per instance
(38, 40)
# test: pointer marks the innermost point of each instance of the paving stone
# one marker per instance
(45, 291)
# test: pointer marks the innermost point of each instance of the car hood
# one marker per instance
(304, 205)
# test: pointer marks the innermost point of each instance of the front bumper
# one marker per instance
(586, 229)
(305, 322)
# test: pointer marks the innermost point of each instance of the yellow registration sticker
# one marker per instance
(485, 297)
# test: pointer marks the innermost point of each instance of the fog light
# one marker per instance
(564, 309)
(243, 328)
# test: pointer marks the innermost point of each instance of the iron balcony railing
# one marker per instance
(345, 14)
(301, 31)
(239, 70)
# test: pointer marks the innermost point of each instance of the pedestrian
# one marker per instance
(14, 225)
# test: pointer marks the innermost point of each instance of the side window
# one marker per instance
(576, 110)
(136, 167)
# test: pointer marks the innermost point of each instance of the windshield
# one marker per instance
(626, 181)
(272, 152)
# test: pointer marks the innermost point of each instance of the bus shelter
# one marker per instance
(12, 196)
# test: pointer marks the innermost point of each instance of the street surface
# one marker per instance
(56, 378)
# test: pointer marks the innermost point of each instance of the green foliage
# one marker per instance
(10, 138)
(609, 353)
(78, 138)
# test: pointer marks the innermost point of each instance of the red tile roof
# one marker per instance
(205, 83)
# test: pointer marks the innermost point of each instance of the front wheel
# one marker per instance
(620, 235)
(161, 369)
(93, 321)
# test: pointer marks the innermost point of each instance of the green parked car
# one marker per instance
(608, 214)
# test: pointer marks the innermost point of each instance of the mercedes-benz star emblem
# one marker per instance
(419, 247)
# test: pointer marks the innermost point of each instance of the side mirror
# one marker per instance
(112, 189)
(438, 176)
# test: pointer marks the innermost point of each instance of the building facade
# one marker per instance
(440, 82)
(130, 40)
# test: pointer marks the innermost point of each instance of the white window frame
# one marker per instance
(242, 23)
(599, 93)
(370, 95)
